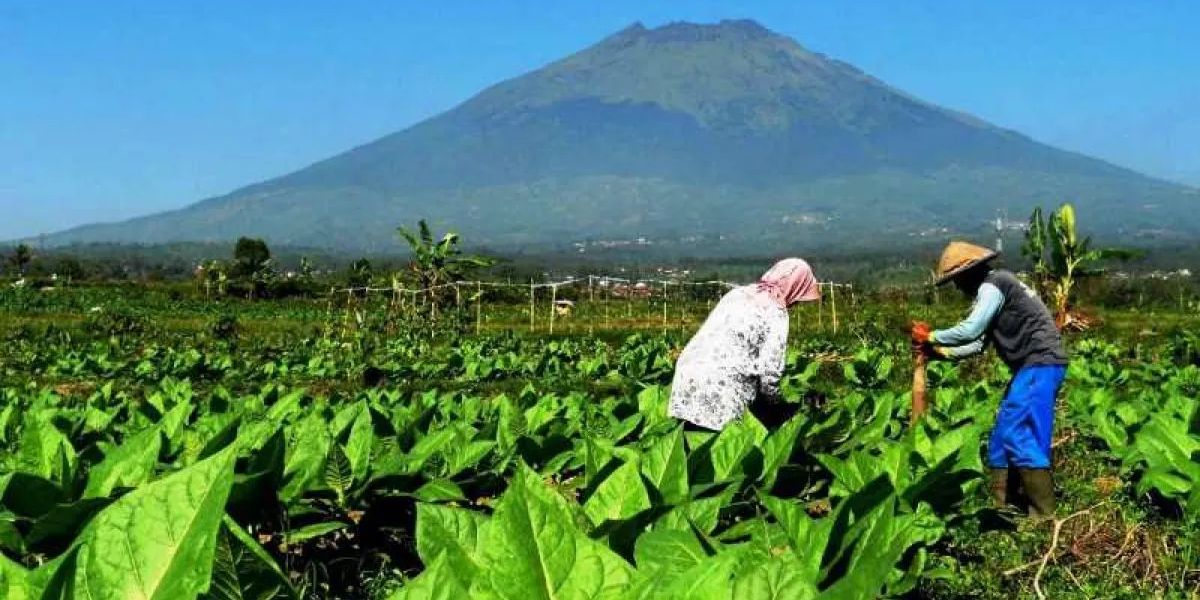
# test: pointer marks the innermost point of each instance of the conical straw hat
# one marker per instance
(959, 257)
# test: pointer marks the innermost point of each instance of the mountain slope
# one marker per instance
(683, 132)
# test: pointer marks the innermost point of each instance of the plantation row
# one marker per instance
(138, 464)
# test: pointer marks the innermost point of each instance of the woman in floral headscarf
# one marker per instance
(738, 354)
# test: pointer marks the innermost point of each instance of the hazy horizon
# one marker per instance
(123, 110)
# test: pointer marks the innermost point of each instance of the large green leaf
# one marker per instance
(710, 579)
(242, 570)
(14, 581)
(775, 579)
(308, 446)
(240, 573)
(28, 495)
(157, 542)
(129, 465)
(452, 533)
(438, 582)
(359, 443)
(61, 524)
(425, 448)
(667, 552)
(535, 551)
(620, 496)
(703, 513)
(879, 543)
(734, 444)
(665, 466)
(44, 451)
(777, 449)
(807, 536)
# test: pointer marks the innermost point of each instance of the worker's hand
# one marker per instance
(921, 332)
(935, 352)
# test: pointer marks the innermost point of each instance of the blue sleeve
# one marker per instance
(963, 351)
(988, 302)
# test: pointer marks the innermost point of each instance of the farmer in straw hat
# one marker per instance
(738, 354)
(1010, 316)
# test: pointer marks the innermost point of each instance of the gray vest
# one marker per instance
(1023, 332)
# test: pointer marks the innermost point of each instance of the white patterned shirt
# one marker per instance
(737, 355)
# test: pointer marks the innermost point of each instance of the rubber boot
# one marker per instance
(998, 483)
(1039, 487)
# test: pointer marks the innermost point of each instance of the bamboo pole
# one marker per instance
(591, 307)
(553, 306)
(833, 306)
(478, 307)
(531, 305)
(665, 303)
(606, 325)
(821, 312)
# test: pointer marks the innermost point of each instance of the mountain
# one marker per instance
(721, 137)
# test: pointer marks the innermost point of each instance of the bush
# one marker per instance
(224, 327)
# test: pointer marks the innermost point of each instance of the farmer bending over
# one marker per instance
(1012, 318)
(739, 352)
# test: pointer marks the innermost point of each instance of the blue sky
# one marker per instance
(118, 108)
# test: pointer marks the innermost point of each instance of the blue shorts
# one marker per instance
(1025, 422)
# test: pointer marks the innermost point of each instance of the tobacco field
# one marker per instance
(219, 461)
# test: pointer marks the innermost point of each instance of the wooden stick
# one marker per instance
(918, 386)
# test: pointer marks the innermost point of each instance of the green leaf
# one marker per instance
(359, 443)
(462, 457)
(874, 556)
(28, 495)
(426, 447)
(807, 536)
(437, 582)
(703, 513)
(158, 541)
(243, 570)
(10, 537)
(708, 580)
(778, 449)
(225, 584)
(536, 552)
(129, 465)
(440, 490)
(173, 425)
(775, 579)
(14, 581)
(734, 444)
(667, 552)
(620, 496)
(451, 533)
(308, 446)
(44, 451)
(665, 466)
(315, 530)
(63, 522)
(337, 473)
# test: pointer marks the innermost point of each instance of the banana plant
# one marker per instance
(438, 263)
(1060, 257)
